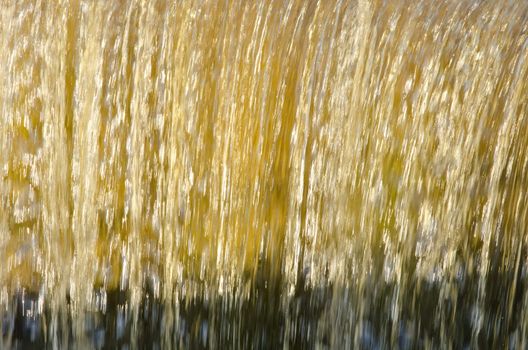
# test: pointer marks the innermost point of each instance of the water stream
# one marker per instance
(264, 174)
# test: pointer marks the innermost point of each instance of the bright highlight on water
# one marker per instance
(264, 174)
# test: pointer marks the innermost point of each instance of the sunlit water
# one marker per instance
(264, 174)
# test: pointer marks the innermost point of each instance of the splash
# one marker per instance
(263, 174)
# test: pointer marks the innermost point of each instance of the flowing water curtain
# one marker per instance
(371, 150)
(34, 178)
(35, 194)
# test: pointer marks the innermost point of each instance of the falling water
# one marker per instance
(264, 174)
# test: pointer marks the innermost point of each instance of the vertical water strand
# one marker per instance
(493, 222)
(126, 40)
(5, 193)
(4, 143)
(367, 210)
(189, 225)
(26, 173)
(87, 126)
(297, 148)
(225, 157)
(340, 176)
(277, 53)
(310, 269)
(21, 156)
(515, 213)
(143, 147)
(55, 170)
(111, 153)
(168, 227)
(171, 225)
(23, 130)
(317, 233)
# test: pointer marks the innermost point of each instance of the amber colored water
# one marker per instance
(264, 174)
